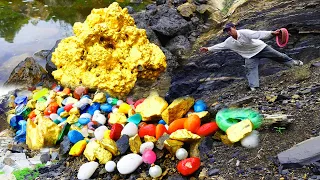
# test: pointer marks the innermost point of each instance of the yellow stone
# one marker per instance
(106, 134)
(102, 155)
(124, 108)
(152, 107)
(111, 146)
(135, 143)
(64, 114)
(177, 109)
(172, 145)
(32, 103)
(74, 111)
(59, 100)
(224, 139)
(238, 131)
(72, 119)
(89, 151)
(148, 138)
(184, 135)
(100, 97)
(202, 115)
(71, 100)
(78, 148)
(117, 117)
(108, 52)
(41, 105)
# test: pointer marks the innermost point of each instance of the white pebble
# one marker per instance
(251, 140)
(181, 153)
(85, 115)
(119, 102)
(87, 169)
(100, 118)
(99, 132)
(155, 171)
(129, 163)
(55, 116)
(146, 146)
(130, 129)
(110, 166)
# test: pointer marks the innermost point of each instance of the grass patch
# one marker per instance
(226, 6)
(27, 173)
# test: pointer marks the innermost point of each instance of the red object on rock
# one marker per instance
(115, 132)
(188, 166)
(149, 129)
(32, 114)
(160, 130)
(68, 107)
(52, 108)
(176, 124)
(79, 92)
(283, 38)
(207, 129)
(138, 102)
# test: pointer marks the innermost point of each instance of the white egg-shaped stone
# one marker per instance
(115, 110)
(155, 171)
(97, 112)
(55, 116)
(130, 129)
(251, 140)
(86, 101)
(181, 153)
(119, 102)
(85, 115)
(99, 132)
(146, 146)
(100, 118)
(129, 163)
(110, 166)
(87, 169)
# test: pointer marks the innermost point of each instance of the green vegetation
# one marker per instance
(226, 5)
(1, 172)
(28, 173)
(279, 129)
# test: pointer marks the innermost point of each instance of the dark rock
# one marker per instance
(176, 177)
(172, 63)
(200, 1)
(178, 45)
(44, 158)
(205, 147)
(213, 172)
(168, 22)
(315, 89)
(123, 144)
(301, 154)
(9, 162)
(178, 2)
(160, 142)
(65, 146)
(160, 2)
(130, 9)
(16, 148)
(211, 160)
(317, 64)
(241, 102)
(306, 91)
(42, 54)
(285, 172)
(136, 1)
(49, 65)
(27, 72)
(54, 155)
(151, 7)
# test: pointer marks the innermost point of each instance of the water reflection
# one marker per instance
(29, 26)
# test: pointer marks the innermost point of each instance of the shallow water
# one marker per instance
(29, 26)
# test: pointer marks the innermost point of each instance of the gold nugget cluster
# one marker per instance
(107, 52)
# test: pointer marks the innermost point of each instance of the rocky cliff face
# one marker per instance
(204, 73)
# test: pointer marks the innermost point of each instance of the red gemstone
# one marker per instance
(52, 108)
(149, 129)
(115, 132)
(188, 166)
(138, 102)
(160, 130)
(68, 107)
(207, 129)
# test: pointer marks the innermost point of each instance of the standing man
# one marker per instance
(249, 45)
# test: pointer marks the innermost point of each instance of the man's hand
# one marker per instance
(276, 32)
(203, 49)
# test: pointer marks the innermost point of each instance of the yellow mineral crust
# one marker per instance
(108, 52)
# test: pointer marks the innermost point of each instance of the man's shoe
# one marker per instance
(297, 63)
(252, 89)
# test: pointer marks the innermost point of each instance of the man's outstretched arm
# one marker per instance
(259, 34)
(214, 48)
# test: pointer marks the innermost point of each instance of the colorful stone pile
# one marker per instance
(101, 127)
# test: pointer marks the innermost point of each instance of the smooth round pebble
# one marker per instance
(83, 121)
(55, 116)
(181, 153)
(149, 157)
(129, 163)
(100, 118)
(162, 122)
(130, 129)
(110, 166)
(146, 146)
(136, 118)
(85, 115)
(99, 132)
(106, 107)
(119, 102)
(251, 140)
(155, 171)
(87, 169)
(74, 136)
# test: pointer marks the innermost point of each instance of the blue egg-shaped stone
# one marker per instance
(95, 106)
(162, 122)
(21, 99)
(106, 107)
(85, 96)
(63, 119)
(84, 108)
(83, 121)
(60, 110)
(75, 136)
(199, 106)
(136, 119)
(15, 120)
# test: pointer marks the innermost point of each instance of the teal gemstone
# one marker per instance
(136, 119)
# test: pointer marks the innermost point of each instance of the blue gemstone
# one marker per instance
(162, 122)
(106, 107)
(21, 99)
(75, 136)
(95, 106)
(60, 110)
(136, 118)
(199, 106)
(83, 121)
(15, 120)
